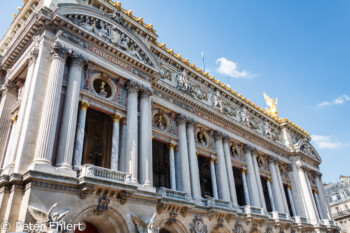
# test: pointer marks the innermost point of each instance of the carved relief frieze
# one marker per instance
(112, 34)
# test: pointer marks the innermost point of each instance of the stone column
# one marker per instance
(252, 177)
(291, 201)
(145, 152)
(79, 141)
(10, 151)
(49, 115)
(70, 112)
(307, 195)
(8, 97)
(276, 187)
(223, 186)
(258, 179)
(115, 141)
(177, 169)
(172, 166)
(184, 165)
(296, 189)
(283, 193)
(245, 187)
(318, 204)
(132, 132)
(230, 176)
(123, 145)
(269, 189)
(193, 161)
(213, 178)
(322, 195)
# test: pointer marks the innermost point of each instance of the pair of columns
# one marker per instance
(315, 202)
(79, 141)
(226, 182)
(280, 199)
(136, 151)
(189, 171)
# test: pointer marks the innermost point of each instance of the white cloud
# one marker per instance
(340, 100)
(325, 142)
(230, 68)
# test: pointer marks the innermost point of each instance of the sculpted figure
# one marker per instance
(217, 101)
(124, 42)
(245, 116)
(182, 81)
(47, 219)
(272, 104)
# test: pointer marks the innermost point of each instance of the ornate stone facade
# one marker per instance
(127, 136)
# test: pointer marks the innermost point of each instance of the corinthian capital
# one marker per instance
(78, 59)
(146, 92)
(247, 147)
(133, 87)
(59, 51)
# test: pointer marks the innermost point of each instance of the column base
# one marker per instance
(66, 171)
(147, 188)
(42, 166)
(9, 169)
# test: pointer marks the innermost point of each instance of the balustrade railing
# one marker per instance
(174, 194)
(106, 174)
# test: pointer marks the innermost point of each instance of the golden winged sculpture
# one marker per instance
(272, 104)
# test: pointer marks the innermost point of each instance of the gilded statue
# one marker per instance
(103, 92)
(160, 122)
(272, 104)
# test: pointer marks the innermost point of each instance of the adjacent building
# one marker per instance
(126, 135)
(338, 195)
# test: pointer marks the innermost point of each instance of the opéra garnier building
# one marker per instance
(127, 136)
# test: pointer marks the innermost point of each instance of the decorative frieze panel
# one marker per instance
(112, 34)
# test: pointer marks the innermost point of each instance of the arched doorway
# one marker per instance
(110, 221)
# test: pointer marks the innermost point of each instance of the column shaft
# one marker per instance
(308, 199)
(223, 185)
(230, 175)
(47, 130)
(145, 138)
(70, 112)
(115, 142)
(132, 133)
(252, 179)
(297, 191)
(213, 178)
(291, 201)
(192, 157)
(79, 141)
(245, 187)
(123, 146)
(10, 151)
(276, 187)
(8, 98)
(323, 199)
(184, 165)
(172, 167)
(177, 169)
(283, 193)
(258, 180)
(269, 189)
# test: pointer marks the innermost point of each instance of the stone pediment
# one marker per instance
(109, 28)
(306, 148)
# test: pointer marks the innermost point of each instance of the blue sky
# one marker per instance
(298, 51)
